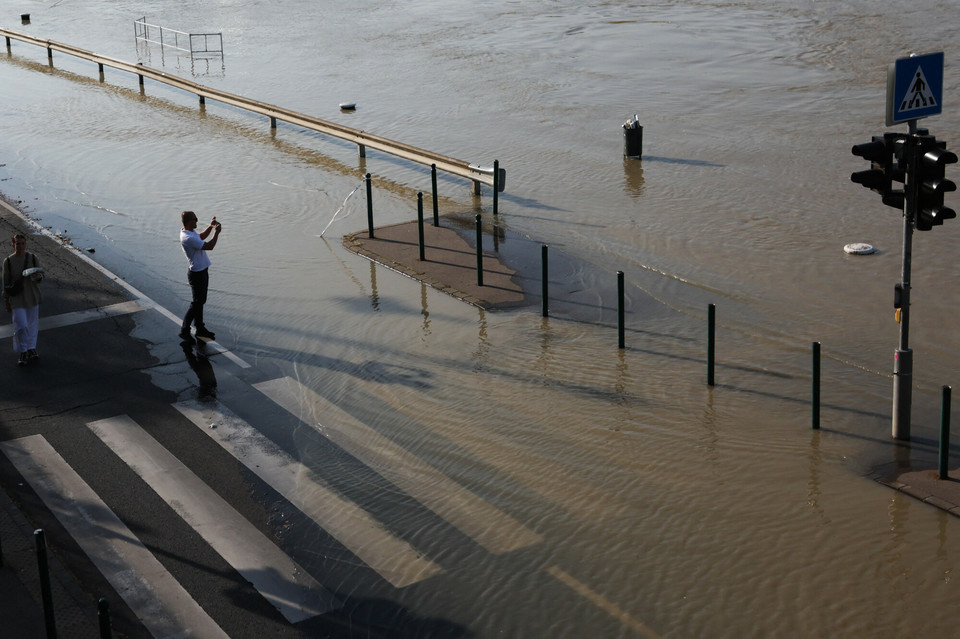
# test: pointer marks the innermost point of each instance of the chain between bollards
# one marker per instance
(45, 593)
(420, 224)
(544, 270)
(711, 342)
(621, 339)
(479, 252)
(369, 208)
(816, 387)
(944, 434)
(436, 206)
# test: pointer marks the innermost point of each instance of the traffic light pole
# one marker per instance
(903, 358)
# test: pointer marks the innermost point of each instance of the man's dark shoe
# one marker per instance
(22, 361)
(32, 354)
(186, 336)
(205, 334)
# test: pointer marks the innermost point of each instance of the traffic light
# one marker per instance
(932, 159)
(884, 152)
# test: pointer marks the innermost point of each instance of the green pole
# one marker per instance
(45, 593)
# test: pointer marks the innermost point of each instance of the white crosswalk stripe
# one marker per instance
(152, 593)
(491, 528)
(394, 559)
(278, 578)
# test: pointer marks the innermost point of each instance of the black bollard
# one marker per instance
(711, 342)
(544, 304)
(369, 207)
(436, 206)
(479, 252)
(816, 386)
(621, 340)
(944, 434)
(632, 138)
(420, 224)
(496, 184)
(103, 615)
(45, 593)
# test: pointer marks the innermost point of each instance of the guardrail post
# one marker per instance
(369, 207)
(50, 55)
(815, 383)
(544, 302)
(436, 206)
(273, 122)
(420, 224)
(45, 593)
(621, 338)
(203, 100)
(479, 252)
(103, 616)
(361, 151)
(496, 184)
(944, 434)
(711, 342)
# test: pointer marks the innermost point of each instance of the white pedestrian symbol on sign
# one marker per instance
(918, 96)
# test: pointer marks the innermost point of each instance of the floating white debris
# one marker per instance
(859, 248)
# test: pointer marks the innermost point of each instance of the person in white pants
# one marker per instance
(22, 297)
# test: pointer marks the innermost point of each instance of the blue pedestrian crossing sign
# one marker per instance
(914, 88)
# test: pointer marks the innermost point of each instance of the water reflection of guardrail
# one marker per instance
(196, 43)
(473, 172)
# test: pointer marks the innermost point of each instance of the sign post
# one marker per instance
(914, 91)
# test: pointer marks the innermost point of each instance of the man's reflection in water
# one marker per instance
(200, 364)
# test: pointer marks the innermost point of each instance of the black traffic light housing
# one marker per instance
(932, 159)
(885, 153)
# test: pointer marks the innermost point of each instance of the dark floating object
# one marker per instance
(348, 106)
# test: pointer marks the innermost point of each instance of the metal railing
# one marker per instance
(195, 43)
(473, 172)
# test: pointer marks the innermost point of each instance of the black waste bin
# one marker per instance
(632, 139)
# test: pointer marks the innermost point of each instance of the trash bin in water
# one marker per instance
(632, 138)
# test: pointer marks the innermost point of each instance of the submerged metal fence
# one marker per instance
(192, 43)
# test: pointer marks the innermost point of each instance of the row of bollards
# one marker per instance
(621, 327)
(46, 593)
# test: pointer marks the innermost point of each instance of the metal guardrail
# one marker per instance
(474, 172)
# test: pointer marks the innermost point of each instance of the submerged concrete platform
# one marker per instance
(449, 264)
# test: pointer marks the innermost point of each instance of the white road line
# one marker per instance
(394, 559)
(490, 527)
(278, 578)
(601, 602)
(154, 596)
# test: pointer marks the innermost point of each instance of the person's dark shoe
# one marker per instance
(32, 354)
(205, 334)
(23, 360)
(186, 336)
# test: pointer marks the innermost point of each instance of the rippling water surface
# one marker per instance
(686, 511)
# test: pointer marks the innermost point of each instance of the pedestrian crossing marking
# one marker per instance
(281, 581)
(80, 317)
(490, 527)
(152, 593)
(393, 559)
(918, 95)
